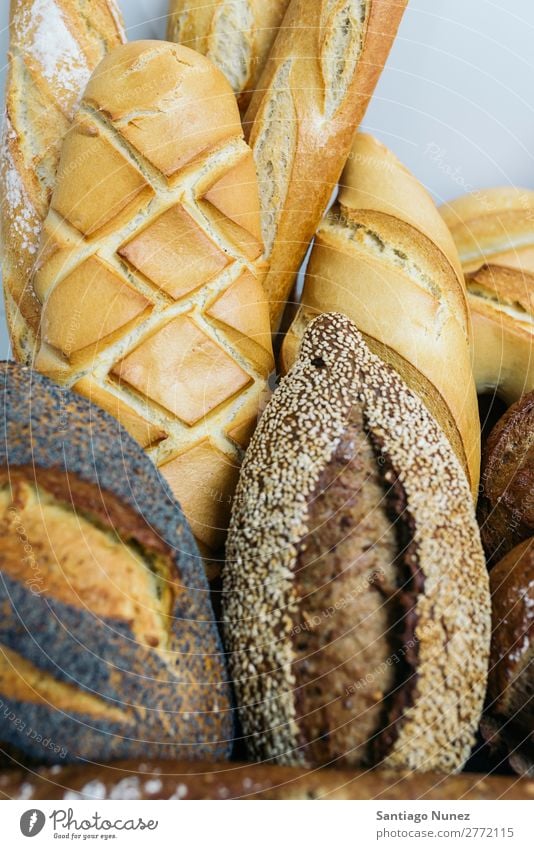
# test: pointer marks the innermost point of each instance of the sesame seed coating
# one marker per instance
(295, 440)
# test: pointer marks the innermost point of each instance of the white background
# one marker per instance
(455, 101)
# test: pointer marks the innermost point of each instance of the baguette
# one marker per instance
(108, 644)
(54, 47)
(493, 231)
(355, 593)
(312, 95)
(205, 781)
(150, 271)
(236, 35)
(383, 257)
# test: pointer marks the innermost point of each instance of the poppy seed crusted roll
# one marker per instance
(356, 602)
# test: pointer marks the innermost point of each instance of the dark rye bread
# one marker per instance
(356, 598)
(108, 644)
(506, 505)
(509, 720)
(221, 781)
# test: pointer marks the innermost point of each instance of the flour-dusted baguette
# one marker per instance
(54, 47)
(383, 257)
(356, 601)
(312, 95)
(108, 643)
(221, 781)
(150, 272)
(236, 35)
(494, 233)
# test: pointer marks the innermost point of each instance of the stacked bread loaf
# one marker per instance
(108, 645)
(54, 47)
(384, 257)
(237, 36)
(150, 274)
(494, 234)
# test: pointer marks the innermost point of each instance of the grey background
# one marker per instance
(455, 101)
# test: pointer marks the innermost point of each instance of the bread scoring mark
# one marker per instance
(294, 441)
(343, 24)
(274, 150)
(479, 294)
(230, 41)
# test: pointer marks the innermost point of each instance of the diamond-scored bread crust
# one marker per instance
(150, 272)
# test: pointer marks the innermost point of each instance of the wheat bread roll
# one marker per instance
(236, 35)
(384, 258)
(149, 276)
(54, 46)
(310, 99)
(355, 593)
(493, 231)
(108, 644)
(222, 781)
(506, 504)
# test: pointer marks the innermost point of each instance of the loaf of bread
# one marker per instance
(236, 35)
(150, 273)
(205, 781)
(506, 505)
(508, 721)
(312, 95)
(494, 233)
(109, 648)
(54, 47)
(356, 601)
(383, 257)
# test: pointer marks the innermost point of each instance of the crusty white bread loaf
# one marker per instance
(150, 270)
(177, 780)
(383, 257)
(494, 233)
(54, 47)
(236, 35)
(355, 591)
(310, 99)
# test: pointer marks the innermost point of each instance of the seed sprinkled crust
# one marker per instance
(297, 437)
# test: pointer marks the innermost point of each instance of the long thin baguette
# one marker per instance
(236, 35)
(383, 257)
(54, 47)
(310, 99)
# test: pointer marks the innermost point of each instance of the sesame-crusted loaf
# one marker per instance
(221, 781)
(509, 718)
(356, 599)
(108, 644)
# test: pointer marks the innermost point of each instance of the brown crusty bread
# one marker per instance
(506, 505)
(495, 239)
(510, 704)
(355, 593)
(150, 270)
(384, 257)
(54, 46)
(309, 101)
(237, 36)
(206, 781)
(108, 643)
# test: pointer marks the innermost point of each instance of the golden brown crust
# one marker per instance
(492, 230)
(235, 36)
(506, 506)
(310, 99)
(384, 257)
(156, 780)
(294, 444)
(150, 273)
(54, 46)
